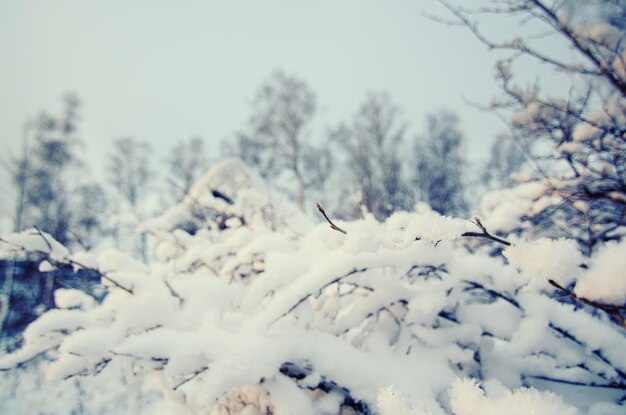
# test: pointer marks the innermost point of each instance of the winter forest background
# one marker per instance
(204, 276)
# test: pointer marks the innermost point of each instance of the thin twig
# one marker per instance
(67, 261)
(44, 238)
(484, 234)
(596, 352)
(319, 291)
(332, 225)
(472, 285)
(99, 367)
(30, 359)
(613, 385)
(612, 310)
(100, 273)
(175, 294)
(193, 376)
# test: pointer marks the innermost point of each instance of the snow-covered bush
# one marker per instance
(250, 308)
(29, 282)
(575, 139)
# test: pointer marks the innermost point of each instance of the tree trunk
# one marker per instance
(7, 289)
(299, 192)
(22, 179)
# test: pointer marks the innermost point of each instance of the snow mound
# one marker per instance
(230, 195)
(250, 308)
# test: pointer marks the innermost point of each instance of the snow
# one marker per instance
(601, 33)
(604, 279)
(46, 266)
(72, 298)
(387, 316)
(32, 240)
(393, 402)
(466, 398)
(527, 114)
(83, 259)
(582, 132)
(619, 65)
(113, 260)
(557, 259)
(572, 148)
(502, 209)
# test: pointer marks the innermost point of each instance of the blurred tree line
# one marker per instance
(49, 193)
(369, 163)
(574, 146)
(55, 193)
(575, 141)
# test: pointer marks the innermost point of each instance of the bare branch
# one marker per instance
(612, 310)
(604, 68)
(67, 261)
(515, 45)
(332, 225)
(571, 382)
(192, 376)
(484, 234)
(30, 359)
(472, 285)
(44, 238)
(319, 291)
(175, 294)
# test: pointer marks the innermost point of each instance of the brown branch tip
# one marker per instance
(330, 222)
(484, 233)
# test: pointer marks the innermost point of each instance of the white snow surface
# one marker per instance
(466, 398)
(32, 240)
(605, 280)
(543, 259)
(251, 308)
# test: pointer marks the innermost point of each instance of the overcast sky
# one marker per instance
(168, 70)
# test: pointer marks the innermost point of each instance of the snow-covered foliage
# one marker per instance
(575, 141)
(467, 398)
(32, 241)
(578, 189)
(604, 280)
(249, 308)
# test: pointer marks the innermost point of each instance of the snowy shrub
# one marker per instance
(250, 308)
(574, 141)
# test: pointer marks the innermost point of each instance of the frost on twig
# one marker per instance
(285, 335)
(53, 259)
(191, 377)
(612, 310)
(484, 234)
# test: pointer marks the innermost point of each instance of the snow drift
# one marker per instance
(251, 308)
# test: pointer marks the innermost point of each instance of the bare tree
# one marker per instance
(506, 157)
(53, 155)
(578, 142)
(130, 175)
(275, 139)
(319, 166)
(40, 173)
(439, 165)
(48, 176)
(129, 170)
(90, 206)
(186, 161)
(20, 170)
(371, 144)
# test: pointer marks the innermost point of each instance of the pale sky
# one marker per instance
(167, 70)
